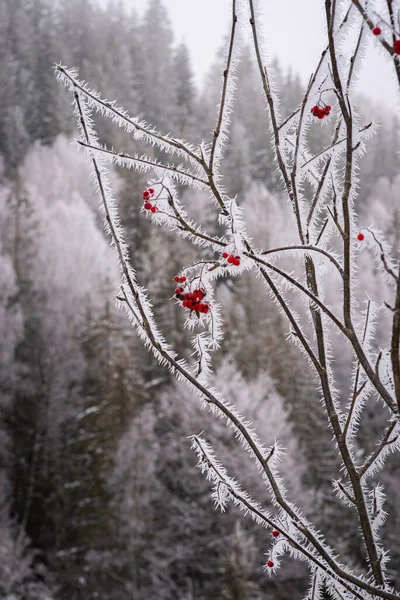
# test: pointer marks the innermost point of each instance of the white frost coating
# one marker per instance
(360, 385)
(316, 590)
(203, 368)
(385, 370)
(392, 445)
(376, 501)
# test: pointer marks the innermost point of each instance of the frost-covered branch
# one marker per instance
(290, 538)
(122, 119)
(326, 229)
(144, 162)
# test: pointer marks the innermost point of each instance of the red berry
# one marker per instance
(151, 191)
(225, 255)
(275, 533)
(360, 237)
(376, 31)
(154, 209)
(146, 195)
(236, 262)
(147, 205)
(231, 259)
(176, 278)
(396, 46)
(270, 564)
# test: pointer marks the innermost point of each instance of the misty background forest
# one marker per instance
(99, 495)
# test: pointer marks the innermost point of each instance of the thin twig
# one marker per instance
(386, 441)
(227, 70)
(306, 248)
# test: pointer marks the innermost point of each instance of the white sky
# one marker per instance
(294, 32)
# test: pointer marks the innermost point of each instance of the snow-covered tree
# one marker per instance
(154, 475)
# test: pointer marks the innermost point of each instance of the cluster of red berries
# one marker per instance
(231, 259)
(320, 112)
(147, 194)
(360, 237)
(191, 300)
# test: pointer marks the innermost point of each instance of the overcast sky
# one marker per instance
(294, 31)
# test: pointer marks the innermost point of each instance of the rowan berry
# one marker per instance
(154, 209)
(377, 31)
(396, 46)
(360, 237)
(151, 191)
(225, 255)
(270, 564)
(148, 206)
(275, 533)
(236, 261)
(177, 279)
(231, 259)
(146, 195)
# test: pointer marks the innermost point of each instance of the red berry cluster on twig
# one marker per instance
(321, 112)
(377, 30)
(191, 300)
(231, 259)
(147, 194)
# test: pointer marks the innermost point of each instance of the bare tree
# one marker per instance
(321, 188)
